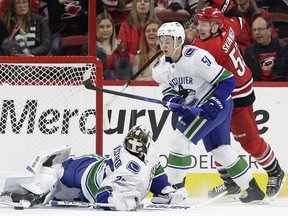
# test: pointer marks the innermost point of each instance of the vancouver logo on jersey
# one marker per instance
(133, 167)
(189, 52)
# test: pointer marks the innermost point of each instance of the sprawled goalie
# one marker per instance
(122, 180)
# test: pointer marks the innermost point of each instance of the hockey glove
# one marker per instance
(179, 110)
(211, 108)
(169, 195)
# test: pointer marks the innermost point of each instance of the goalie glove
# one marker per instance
(124, 197)
(169, 195)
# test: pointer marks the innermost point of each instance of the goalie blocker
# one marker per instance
(118, 182)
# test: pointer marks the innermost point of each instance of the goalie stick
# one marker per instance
(88, 85)
(140, 206)
(106, 123)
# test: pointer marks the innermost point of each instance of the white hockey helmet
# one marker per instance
(174, 29)
(138, 140)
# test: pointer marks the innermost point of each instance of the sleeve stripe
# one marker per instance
(218, 75)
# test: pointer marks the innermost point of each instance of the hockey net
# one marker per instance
(44, 105)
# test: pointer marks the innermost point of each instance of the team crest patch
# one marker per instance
(133, 167)
(189, 52)
(156, 64)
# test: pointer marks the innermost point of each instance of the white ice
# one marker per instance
(219, 208)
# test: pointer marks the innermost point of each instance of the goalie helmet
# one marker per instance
(210, 14)
(173, 29)
(138, 140)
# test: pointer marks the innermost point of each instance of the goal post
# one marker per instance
(44, 104)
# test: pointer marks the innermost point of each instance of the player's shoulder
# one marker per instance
(159, 63)
(193, 52)
(159, 69)
(189, 50)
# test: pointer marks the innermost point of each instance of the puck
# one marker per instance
(18, 208)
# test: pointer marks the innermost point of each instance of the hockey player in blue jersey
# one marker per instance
(190, 76)
(122, 180)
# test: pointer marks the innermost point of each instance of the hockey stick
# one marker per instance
(88, 85)
(84, 204)
(78, 204)
(140, 206)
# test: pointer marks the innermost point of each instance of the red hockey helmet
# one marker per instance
(210, 14)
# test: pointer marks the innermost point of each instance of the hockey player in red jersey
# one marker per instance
(217, 34)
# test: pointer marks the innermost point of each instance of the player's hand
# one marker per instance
(211, 108)
(178, 110)
(169, 195)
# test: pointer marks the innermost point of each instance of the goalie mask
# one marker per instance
(138, 140)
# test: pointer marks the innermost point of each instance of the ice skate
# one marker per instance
(274, 185)
(252, 194)
(229, 185)
(29, 198)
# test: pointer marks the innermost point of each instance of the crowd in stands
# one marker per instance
(127, 31)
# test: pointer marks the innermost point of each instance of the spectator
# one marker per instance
(4, 34)
(246, 10)
(130, 31)
(112, 51)
(267, 57)
(118, 9)
(148, 48)
(66, 18)
(100, 7)
(275, 6)
(29, 32)
(176, 10)
(4, 3)
(180, 6)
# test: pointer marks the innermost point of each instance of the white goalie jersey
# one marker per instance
(122, 166)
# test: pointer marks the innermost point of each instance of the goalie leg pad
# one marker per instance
(44, 182)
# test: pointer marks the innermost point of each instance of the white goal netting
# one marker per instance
(43, 105)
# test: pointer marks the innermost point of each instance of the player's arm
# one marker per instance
(225, 84)
(122, 195)
(222, 81)
(163, 192)
(117, 188)
(169, 94)
(215, 104)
